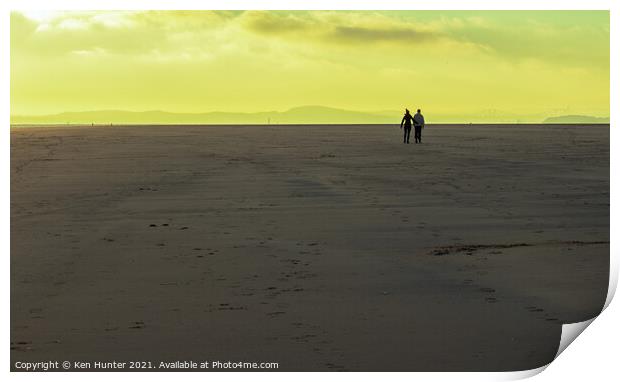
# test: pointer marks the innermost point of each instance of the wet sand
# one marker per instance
(319, 247)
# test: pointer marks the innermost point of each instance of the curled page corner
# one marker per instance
(570, 332)
(523, 374)
(613, 282)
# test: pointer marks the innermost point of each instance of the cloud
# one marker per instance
(355, 38)
(357, 34)
(21, 28)
(567, 38)
(337, 27)
(134, 33)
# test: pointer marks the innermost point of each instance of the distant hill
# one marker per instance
(576, 119)
(297, 115)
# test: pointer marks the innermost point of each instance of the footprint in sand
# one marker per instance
(304, 338)
(137, 325)
(334, 366)
(21, 345)
(274, 314)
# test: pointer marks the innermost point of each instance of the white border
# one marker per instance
(592, 356)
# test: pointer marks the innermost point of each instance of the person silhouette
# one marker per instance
(406, 121)
(418, 125)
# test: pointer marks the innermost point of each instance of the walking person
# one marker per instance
(406, 121)
(418, 125)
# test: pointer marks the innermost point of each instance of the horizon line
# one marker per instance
(297, 124)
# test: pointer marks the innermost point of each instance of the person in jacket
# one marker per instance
(418, 125)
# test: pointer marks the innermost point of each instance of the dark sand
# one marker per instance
(318, 247)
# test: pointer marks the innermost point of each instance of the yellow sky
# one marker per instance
(448, 62)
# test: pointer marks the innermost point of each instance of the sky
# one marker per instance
(449, 63)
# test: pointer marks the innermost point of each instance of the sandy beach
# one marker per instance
(321, 248)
